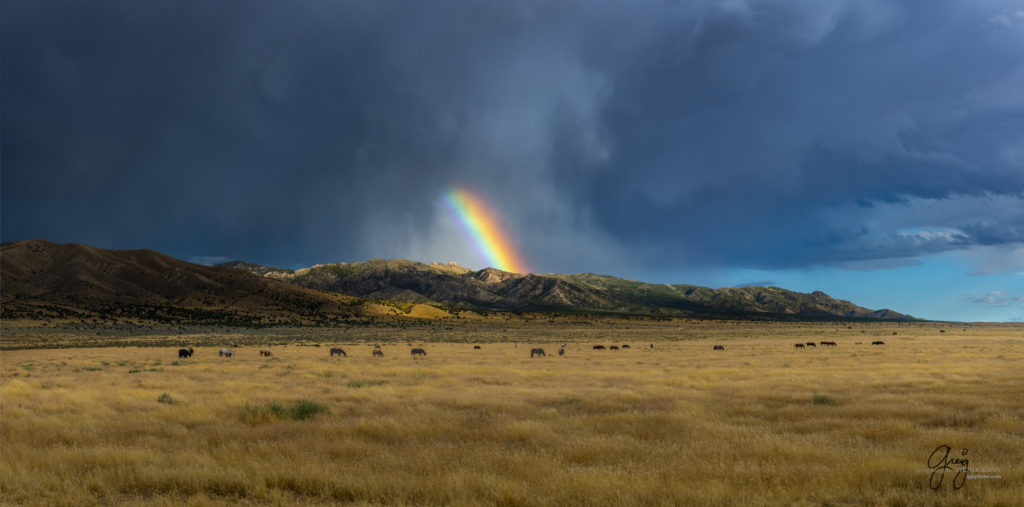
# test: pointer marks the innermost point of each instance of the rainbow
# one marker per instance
(479, 223)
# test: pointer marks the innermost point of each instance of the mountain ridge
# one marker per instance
(491, 289)
(43, 280)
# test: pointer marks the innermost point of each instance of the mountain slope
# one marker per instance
(42, 279)
(771, 300)
(409, 281)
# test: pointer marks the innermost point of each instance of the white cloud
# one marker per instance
(991, 260)
(995, 298)
(1008, 19)
(932, 234)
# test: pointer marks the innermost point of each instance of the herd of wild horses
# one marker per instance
(534, 352)
(799, 346)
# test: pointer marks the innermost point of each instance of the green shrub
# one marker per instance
(304, 409)
(356, 384)
(165, 398)
(257, 413)
(822, 399)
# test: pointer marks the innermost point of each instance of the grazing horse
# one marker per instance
(598, 347)
(829, 344)
(265, 353)
(878, 343)
(811, 344)
(537, 351)
(798, 346)
(226, 353)
(378, 353)
(476, 347)
(613, 347)
(719, 347)
(183, 353)
(419, 352)
(338, 352)
(561, 351)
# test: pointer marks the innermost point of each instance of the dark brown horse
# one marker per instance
(719, 347)
(419, 352)
(338, 352)
(613, 347)
(798, 346)
(265, 353)
(538, 351)
(879, 342)
(184, 353)
(598, 347)
(378, 353)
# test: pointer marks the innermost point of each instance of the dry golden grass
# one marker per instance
(758, 423)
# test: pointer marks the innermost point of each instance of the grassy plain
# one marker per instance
(677, 424)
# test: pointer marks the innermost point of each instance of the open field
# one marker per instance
(758, 423)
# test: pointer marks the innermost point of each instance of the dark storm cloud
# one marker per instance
(761, 140)
(237, 127)
(756, 134)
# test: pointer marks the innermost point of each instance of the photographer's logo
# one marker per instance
(939, 463)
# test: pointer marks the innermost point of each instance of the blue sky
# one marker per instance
(939, 288)
(870, 149)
